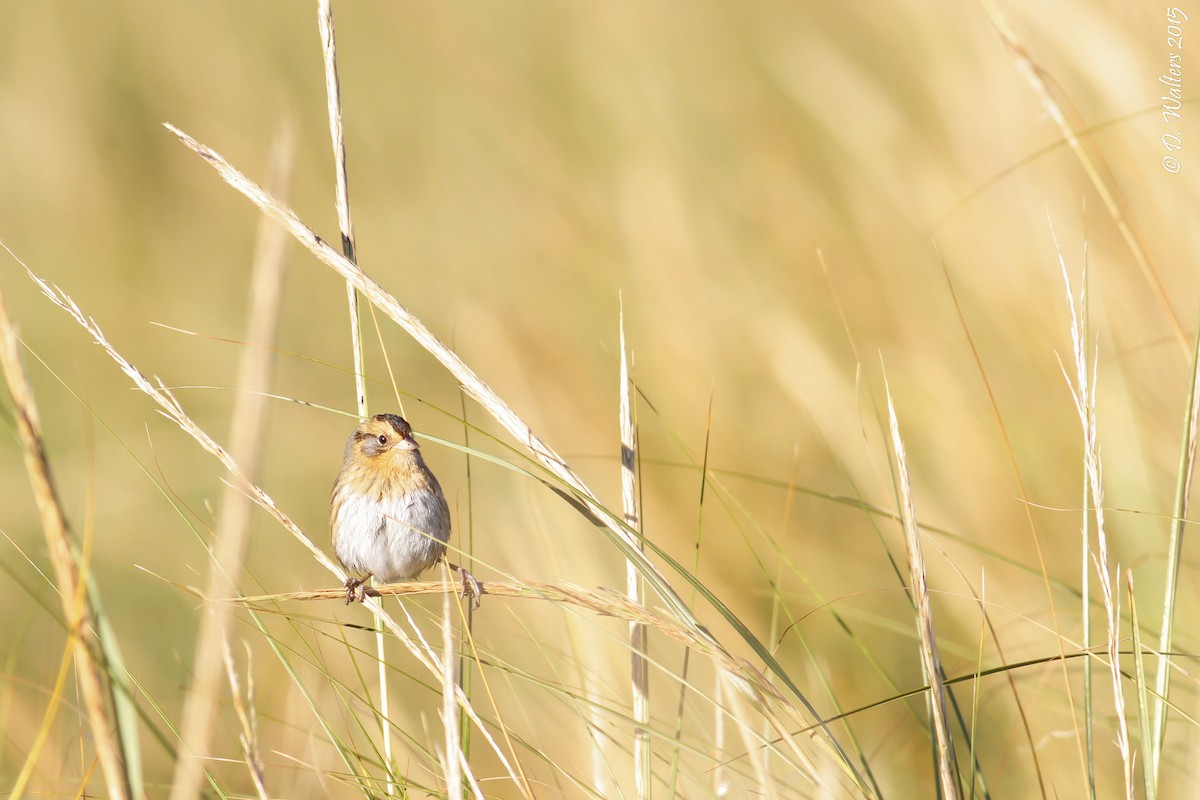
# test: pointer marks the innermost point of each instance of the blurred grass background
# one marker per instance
(515, 167)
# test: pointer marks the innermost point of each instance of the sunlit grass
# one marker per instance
(518, 170)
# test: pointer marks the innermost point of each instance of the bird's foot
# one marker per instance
(470, 586)
(353, 584)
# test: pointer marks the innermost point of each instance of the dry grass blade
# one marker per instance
(1143, 692)
(1179, 509)
(601, 601)
(1048, 582)
(333, 94)
(639, 667)
(233, 523)
(18, 787)
(1083, 391)
(930, 661)
(246, 716)
(337, 135)
(94, 681)
(453, 763)
(759, 756)
(720, 787)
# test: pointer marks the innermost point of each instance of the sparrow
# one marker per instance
(388, 515)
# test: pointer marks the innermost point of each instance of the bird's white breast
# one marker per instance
(394, 538)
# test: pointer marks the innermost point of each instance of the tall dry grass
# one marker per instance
(539, 192)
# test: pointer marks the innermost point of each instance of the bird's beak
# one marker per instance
(408, 443)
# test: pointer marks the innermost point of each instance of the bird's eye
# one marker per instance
(382, 439)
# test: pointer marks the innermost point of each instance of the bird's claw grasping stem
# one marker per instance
(351, 585)
(470, 586)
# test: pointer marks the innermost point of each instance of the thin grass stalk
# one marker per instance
(464, 662)
(1048, 582)
(977, 768)
(17, 790)
(1143, 692)
(132, 721)
(947, 764)
(125, 710)
(1083, 390)
(729, 501)
(362, 759)
(983, 627)
(1179, 511)
(585, 652)
(968, 731)
(1085, 590)
(233, 522)
(774, 711)
(683, 672)
(464, 765)
(720, 787)
(94, 681)
(579, 493)
(1089, 708)
(454, 768)
(759, 756)
(634, 589)
(333, 94)
(248, 736)
(677, 737)
(521, 779)
(778, 607)
(345, 753)
(454, 764)
(1090, 157)
(605, 602)
(611, 605)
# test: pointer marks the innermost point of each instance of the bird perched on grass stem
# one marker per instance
(389, 517)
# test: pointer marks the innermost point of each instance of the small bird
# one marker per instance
(389, 517)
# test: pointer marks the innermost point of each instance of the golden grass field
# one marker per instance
(792, 202)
